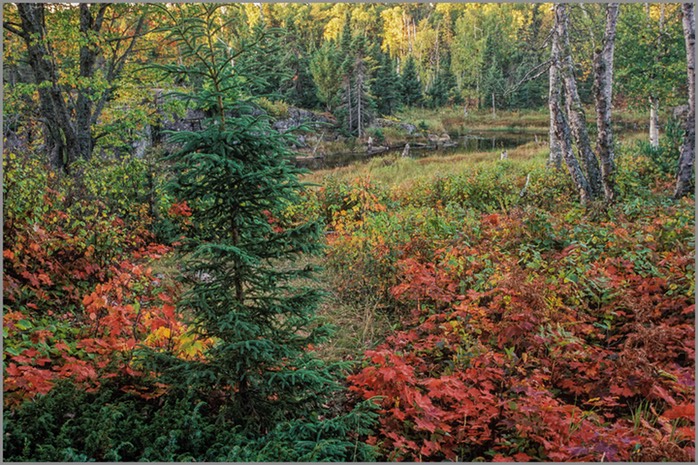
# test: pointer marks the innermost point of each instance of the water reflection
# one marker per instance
(467, 143)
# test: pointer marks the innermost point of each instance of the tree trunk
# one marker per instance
(603, 86)
(577, 119)
(68, 128)
(62, 142)
(684, 175)
(554, 95)
(89, 26)
(561, 126)
(359, 124)
(563, 134)
(654, 122)
(349, 104)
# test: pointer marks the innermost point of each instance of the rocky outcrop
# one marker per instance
(298, 116)
(386, 123)
(679, 112)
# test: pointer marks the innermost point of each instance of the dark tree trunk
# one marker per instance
(89, 25)
(577, 119)
(61, 142)
(68, 128)
(684, 175)
(603, 86)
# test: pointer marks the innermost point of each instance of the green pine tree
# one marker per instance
(240, 263)
(443, 91)
(386, 84)
(326, 72)
(363, 68)
(345, 109)
(411, 89)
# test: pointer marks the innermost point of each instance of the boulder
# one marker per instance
(386, 123)
(299, 116)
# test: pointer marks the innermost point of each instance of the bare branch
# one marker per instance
(542, 68)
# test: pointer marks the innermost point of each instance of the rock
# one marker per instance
(410, 128)
(443, 140)
(299, 116)
(386, 123)
(375, 150)
(142, 143)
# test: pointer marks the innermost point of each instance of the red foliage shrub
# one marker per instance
(552, 364)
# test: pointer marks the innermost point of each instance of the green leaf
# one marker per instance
(24, 325)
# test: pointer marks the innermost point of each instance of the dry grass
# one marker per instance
(393, 170)
(359, 324)
(359, 327)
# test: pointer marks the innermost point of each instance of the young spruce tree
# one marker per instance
(411, 89)
(240, 262)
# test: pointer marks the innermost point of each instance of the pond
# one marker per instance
(480, 141)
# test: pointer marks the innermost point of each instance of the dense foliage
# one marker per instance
(530, 329)
(170, 276)
(219, 366)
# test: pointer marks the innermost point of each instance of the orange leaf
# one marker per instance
(687, 410)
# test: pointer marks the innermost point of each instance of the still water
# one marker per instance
(483, 141)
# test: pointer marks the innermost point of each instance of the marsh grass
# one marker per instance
(452, 120)
(392, 170)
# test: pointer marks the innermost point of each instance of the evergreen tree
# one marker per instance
(243, 293)
(361, 72)
(326, 71)
(526, 91)
(386, 84)
(411, 89)
(346, 97)
(493, 77)
(264, 61)
(443, 91)
(298, 89)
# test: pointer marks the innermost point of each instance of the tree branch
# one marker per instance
(14, 28)
(543, 67)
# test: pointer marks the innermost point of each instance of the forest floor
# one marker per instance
(475, 295)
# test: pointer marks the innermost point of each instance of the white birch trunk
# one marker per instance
(684, 175)
(603, 87)
(654, 122)
(554, 95)
(562, 128)
(575, 111)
